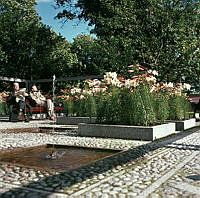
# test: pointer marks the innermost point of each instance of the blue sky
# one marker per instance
(69, 30)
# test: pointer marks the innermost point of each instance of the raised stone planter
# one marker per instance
(185, 124)
(74, 120)
(126, 132)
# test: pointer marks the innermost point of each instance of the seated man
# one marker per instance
(16, 100)
(36, 98)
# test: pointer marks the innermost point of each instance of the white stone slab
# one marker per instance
(126, 132)
(185, 124)
(74, 120)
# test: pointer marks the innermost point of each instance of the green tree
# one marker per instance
(30, 49)
(161, 34)
(3, 59)
(17, 19)
(87, 51)
(51, 54)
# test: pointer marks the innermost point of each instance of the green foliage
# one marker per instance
(88, 58)
(101, 110)
(111, 108)
(161, 35)
(186, 108)
(30, 49)
(126, 110)
(136, 107)
(90, 106)
(17, 19)
(3, 108)
(68, 107)
(161, 106)
(81, 108)
(143, 106)
(85, 107)
(179, 108)
(123, 107)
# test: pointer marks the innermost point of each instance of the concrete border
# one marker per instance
(126, 132)
(74, 120)
(185, 124)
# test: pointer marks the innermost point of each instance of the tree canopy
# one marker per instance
(28, 48)
(158, 34)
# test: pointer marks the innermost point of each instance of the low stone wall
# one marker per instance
(74, 120)
(185, 124)
(126, 132)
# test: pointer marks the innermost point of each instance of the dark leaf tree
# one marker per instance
(158, 34)
(28, 48)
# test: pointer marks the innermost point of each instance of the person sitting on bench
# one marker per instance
(16, 101)
(36, 98)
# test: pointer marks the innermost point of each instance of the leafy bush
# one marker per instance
(108, 108)
(147, 116)
(80, 108)
(68, 107)
(85, 107)
(179, 108)
(161, 106)
(3, 108)
(139, 100)
(125, 107)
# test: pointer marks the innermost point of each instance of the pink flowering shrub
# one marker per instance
(137, 100)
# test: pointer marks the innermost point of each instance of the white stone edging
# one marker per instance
(185, 124)
(126, 132)
(75, 120)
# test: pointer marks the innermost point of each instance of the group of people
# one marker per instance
(22, 100)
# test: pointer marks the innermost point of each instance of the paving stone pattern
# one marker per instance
(166, 168)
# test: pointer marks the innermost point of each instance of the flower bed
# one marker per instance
(128, 104)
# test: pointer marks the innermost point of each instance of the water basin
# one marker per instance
(66, 157)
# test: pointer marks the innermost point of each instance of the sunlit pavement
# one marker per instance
(167, 168)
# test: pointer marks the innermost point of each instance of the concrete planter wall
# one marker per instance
(126, 132)
(185, 124)
(74, 120)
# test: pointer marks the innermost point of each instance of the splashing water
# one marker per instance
(53, 154)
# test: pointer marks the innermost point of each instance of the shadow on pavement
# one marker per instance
(194, 177)
(65, 180)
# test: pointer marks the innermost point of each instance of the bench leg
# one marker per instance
(13, 117)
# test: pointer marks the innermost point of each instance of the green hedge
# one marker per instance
(130, 107)
(81, 108)
(179, 108)
(125, 107)
(4, 108)
(161, 106)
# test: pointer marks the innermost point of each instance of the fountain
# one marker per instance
(54, 156)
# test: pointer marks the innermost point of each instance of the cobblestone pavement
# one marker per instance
(166, 168)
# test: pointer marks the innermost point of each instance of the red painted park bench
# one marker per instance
(39, 110)
(43, 109)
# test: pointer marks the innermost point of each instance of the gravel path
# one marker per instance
(167, 168)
